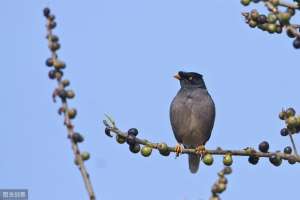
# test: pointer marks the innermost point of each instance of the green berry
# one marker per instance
(290, 112)
(58, 74)
(292, 122)
(163, 149)
(245, 2)
(85, 155)
(208, 159)
(274, 2)
(264, 146)
(282, 115)
(254, 14)
(271, 18)
(146, 151)
(284, 17)
(252, 23)
(54, 46)
(135, 148)
(271, 28)
(120, 139)
(227, 160)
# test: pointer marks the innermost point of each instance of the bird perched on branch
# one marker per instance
(192, 116)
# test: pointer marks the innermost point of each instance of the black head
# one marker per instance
(190, 80)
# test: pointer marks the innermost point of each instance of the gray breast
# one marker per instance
(192, 116)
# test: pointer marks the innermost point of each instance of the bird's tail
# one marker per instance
(194, 161)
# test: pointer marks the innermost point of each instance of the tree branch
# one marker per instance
(69, 113)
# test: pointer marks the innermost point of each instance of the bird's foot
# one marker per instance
(178, 149)
(201, 150)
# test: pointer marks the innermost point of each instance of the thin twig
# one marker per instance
(293, 144)
(69, 125)
(245, 152)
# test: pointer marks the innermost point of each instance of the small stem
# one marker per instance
(293, 143)
(245, 152)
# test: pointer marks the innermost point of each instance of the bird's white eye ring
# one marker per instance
(190, 78)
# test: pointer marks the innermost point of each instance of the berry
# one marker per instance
(253, 160)
(290, 34)
(49, 62)
(120, 139)
(227, 170)
(262, 19)
(227, 160)
(53, 46)
(275, 160)
(53, 38)
(291, 122)
(271, 28)
(264, 146)
(256, 1)
(52, 25)
(133, 131)
(59, 64)
(287, 150)
(291, 11)
(107, 132)
(135, 148)
(208, 159)
(252, 23)
(275, 2)
(292, 160)
(271, 18)
(282, 115)
(163, 149)
(72, 112)
(77, 138)
(284, 17)
(46, 12)
(65, 82)
(296, 43)
(245, 2)
(290, 112)
(85, 155)
(284, 132)
(51, 17)
(146, 151)
(130, 139)
(278, 29)
(51, 74)
(70, 94)
(254, 14)
(58, 74)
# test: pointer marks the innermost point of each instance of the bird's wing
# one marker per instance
(180, 114)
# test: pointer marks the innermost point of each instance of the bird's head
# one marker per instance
(190, 80)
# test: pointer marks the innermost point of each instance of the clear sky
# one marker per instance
(121, 56)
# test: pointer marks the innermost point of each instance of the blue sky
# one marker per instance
(121, 56)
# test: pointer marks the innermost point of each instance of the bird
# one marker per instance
(192, 116)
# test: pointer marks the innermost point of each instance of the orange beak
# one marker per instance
(177, 77)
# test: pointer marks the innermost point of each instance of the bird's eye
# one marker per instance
(190, 78)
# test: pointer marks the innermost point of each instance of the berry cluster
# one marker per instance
(276, 20)
(220, 185)
(56, 73)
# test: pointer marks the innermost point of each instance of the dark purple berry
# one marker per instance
(133, 131)
(46, 12)
(253, 160)
(264, 146)
(107, 132)
(49, 62)
(130, 139)
(261, 19)
(51, 74)
(292, 160)
(77, 138)
(284, 132)
(52, 25)
(135, 148)
(296, 43)
(287, 150)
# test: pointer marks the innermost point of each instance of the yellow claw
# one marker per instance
(178, 149)
(201, 150)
